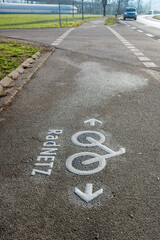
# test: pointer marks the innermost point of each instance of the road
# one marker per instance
(149, 21)
(64, 177)
(147, 24)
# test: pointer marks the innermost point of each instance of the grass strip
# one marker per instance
(110, 21)
(157, 17)
(42, 20)
(12, 54)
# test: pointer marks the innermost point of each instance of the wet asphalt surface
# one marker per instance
(90, 75)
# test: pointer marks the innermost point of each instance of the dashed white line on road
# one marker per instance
(128, 45)
(158, 41)
(138, 54)
(140, 31)
(55, 43)
(124, 40)
(144, 59)
(62, 37)
(149, 64)
(131, 47)
(134, 50)
(149, 35)
(133, 28)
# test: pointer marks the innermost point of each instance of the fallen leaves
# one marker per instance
(131, 214)
(97, 236)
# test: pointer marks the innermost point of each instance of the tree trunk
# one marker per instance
(138, 6)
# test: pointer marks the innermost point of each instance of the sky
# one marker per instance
(157, 2)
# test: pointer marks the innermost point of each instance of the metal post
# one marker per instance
(116, 17)
(59, 13)
(82, 11)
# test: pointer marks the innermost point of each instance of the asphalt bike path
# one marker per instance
(42, 35)
(80, 145)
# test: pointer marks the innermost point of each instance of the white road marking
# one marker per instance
(92, 121)
(140, 31)
(48, 172)
(45, 158)
(94, 157)
(49, 165)
(138, 53)
(128, 45)
(158, 40)
(75, 138)
(48, 153)
(149, 35)
(149, 64)
(133, 28)
(56, 43)
(125, 42)
(88, 195)
(144, 59)
(133, 49)
(101, 163)
(62, 37)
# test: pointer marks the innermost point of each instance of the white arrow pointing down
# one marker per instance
(88, 196)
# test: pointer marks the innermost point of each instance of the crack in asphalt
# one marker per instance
(84, 54)
(34, 138)
(107, 59)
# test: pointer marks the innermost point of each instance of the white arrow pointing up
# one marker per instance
(92, 121)
(88, 196)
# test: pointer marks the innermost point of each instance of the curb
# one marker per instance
(18, 89)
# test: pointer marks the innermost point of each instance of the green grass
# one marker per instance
(110, 21)
(157, 17)
(41, 20)
(12, 54)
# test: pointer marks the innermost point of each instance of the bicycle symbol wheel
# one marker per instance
(96, 158)
(75, 137)
(80, 139)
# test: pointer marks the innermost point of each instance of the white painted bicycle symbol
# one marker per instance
(95, 158)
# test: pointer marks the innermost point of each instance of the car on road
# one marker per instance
(130, 12)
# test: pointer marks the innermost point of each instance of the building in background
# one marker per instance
(15, 8)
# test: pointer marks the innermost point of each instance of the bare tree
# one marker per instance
(119, 5)
(122, 4)
(138, 5)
